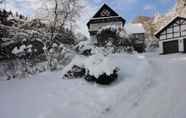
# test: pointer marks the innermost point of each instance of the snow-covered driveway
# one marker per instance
(168, 97)
(149, 87)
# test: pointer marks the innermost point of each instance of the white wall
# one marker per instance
(181, 45)
(98, 26)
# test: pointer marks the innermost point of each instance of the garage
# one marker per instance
(170, 47)
(172, 36)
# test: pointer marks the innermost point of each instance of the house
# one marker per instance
(137, 31)
(104, 17)
(172, 36)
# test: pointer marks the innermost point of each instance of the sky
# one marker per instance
(128, 9)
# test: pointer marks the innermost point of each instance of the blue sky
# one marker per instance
(129, 9)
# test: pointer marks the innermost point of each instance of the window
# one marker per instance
(169, 36)
(176, 29)
(169, 30)
(183, 33)
(162, 37)
(177, 34)
(183, 27)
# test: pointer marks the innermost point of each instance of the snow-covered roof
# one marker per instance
(134, 28)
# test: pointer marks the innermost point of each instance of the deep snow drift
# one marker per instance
(148, 87)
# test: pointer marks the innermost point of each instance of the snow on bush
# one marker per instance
(18, 69)
(59, 56)
(98, 65)
(23, 50)
(101, 70)
(75, 72)
(96, 68)
(84, 48)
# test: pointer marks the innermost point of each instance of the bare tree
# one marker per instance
(60, 14)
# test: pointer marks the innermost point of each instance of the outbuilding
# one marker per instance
(137, 31)
(172, 36)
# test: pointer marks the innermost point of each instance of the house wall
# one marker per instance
(176, 29)
(98, 26)
(140, 37)
(139, 42)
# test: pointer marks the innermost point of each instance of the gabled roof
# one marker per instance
(112, 15)
(103, 7)
(166, 25)
(134, 28)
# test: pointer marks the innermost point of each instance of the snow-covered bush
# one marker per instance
(28, 49)
(65, 36)
(17, 69)
(58, 56)
(100, 69)
(84, 48)
(75, 72)
(103, 78)
(80, 37)
(96, 68)
(152, 44)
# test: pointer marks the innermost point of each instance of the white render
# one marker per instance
(161, 47)
(98, 26)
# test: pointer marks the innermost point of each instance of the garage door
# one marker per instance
(184, 43)
(170, 47)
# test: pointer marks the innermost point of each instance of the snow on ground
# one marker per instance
(149, 87)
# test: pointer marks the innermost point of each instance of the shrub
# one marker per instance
(114, 36)
(75, 72)
(96, 68)
(103, 79)
(84, 48)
